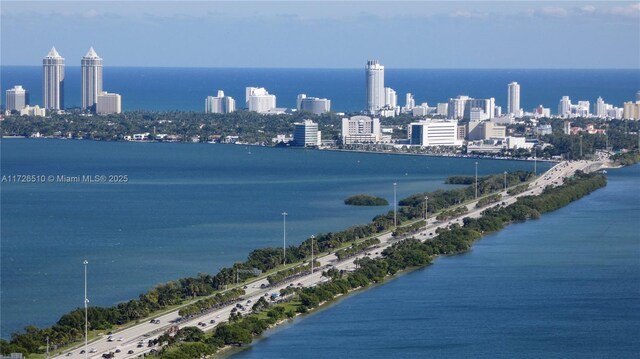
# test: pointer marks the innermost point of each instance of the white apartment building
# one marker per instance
(53, 80)
(219, 103)
(434, 133)
(259, 100)
(313, 104)
(32, 111)
(306, 134)
(390, 98)
(91, 66)
(513, 99)
(108, 103)
(375, 86)
(16, 98)
(361, 129)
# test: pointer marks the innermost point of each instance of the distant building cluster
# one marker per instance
(219, 103)
(93, 98)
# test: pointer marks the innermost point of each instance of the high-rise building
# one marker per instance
(566, 128)
(17, 98)
(108, 103)
(313, 104)
(259, 100)
(390, 98)
(53, 80)
(461, 106)
(91, 65)
(409, 102)
(219, 103)
(305, 134)
(361, 129)
(513, 99)
(434, 133)
(564, 107)
(442, 109)
(631, 111)
(600, 109)
(375, 86)
(457, 106)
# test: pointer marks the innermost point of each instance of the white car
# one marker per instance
(120, 339)
(93, 350)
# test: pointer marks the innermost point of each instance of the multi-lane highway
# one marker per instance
(133, 341)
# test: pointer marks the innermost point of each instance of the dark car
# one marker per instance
(130, 352)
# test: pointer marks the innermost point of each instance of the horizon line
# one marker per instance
(347, 68)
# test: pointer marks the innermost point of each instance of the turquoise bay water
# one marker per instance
(564, 286)
(187, 208)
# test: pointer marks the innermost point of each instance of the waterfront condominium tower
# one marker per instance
(513, 100)
(375, 86)
(53, 80)
(91, 79)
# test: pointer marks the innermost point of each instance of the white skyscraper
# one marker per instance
(375, 86)
(219, 103)
(513, 99)
(601, 108)
(17, 98)
(91, 65)
(409, 102)
(53, 80)
(390, 97)
(564, 107)
(259, 100)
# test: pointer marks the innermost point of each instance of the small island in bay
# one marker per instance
(365, 200)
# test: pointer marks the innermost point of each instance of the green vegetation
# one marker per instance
(356, 248)
(467, 180)
(452, 213)
(488, 200)
(216, 301)
(290, 273)
(626, 159)
(70, 327)
(365, 200)
(409, 253)
(518, 189)
(414, 227)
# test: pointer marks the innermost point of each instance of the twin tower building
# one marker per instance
(94, 99)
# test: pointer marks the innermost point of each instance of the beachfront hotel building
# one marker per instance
(631, 110)
(313, 104)
(513, 99)
(259, 100)
(361, 129)
(375, 86)
(16, 98)
(306, 134)
(108, 103)
(434, 133)
(461, 107)
(219, 103)
(53, 80)
(91, 66)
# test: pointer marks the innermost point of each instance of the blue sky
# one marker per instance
(418, 34)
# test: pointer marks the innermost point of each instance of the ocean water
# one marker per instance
(564, 286)
(162, 89)
(187, 208)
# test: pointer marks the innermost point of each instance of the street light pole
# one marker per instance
(476, 179)
(426, 214)
(505, 180)
(535, 161)
(284, 238)
(580, 146)
(312, 238)
(86, 311)
(395, 204)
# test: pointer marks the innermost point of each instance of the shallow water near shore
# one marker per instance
(564, 286)
(186, 208)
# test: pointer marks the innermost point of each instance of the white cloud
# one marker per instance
(468, 14)
(632, 10)
(90, 13)
(588, 8)
(555, 11)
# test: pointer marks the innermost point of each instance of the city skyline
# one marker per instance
(328, 34)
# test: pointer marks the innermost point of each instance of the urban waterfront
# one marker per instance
(185, 89)
(564, 286)
(185, 209)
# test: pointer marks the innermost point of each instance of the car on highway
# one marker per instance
(130, 352)
(120, 339)
(93, 350)
(69, 354)
(212, 321)
(82, 351)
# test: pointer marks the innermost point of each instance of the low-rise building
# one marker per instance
(434, 133)
(361, 129)
(32, 111)
(306, 134)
